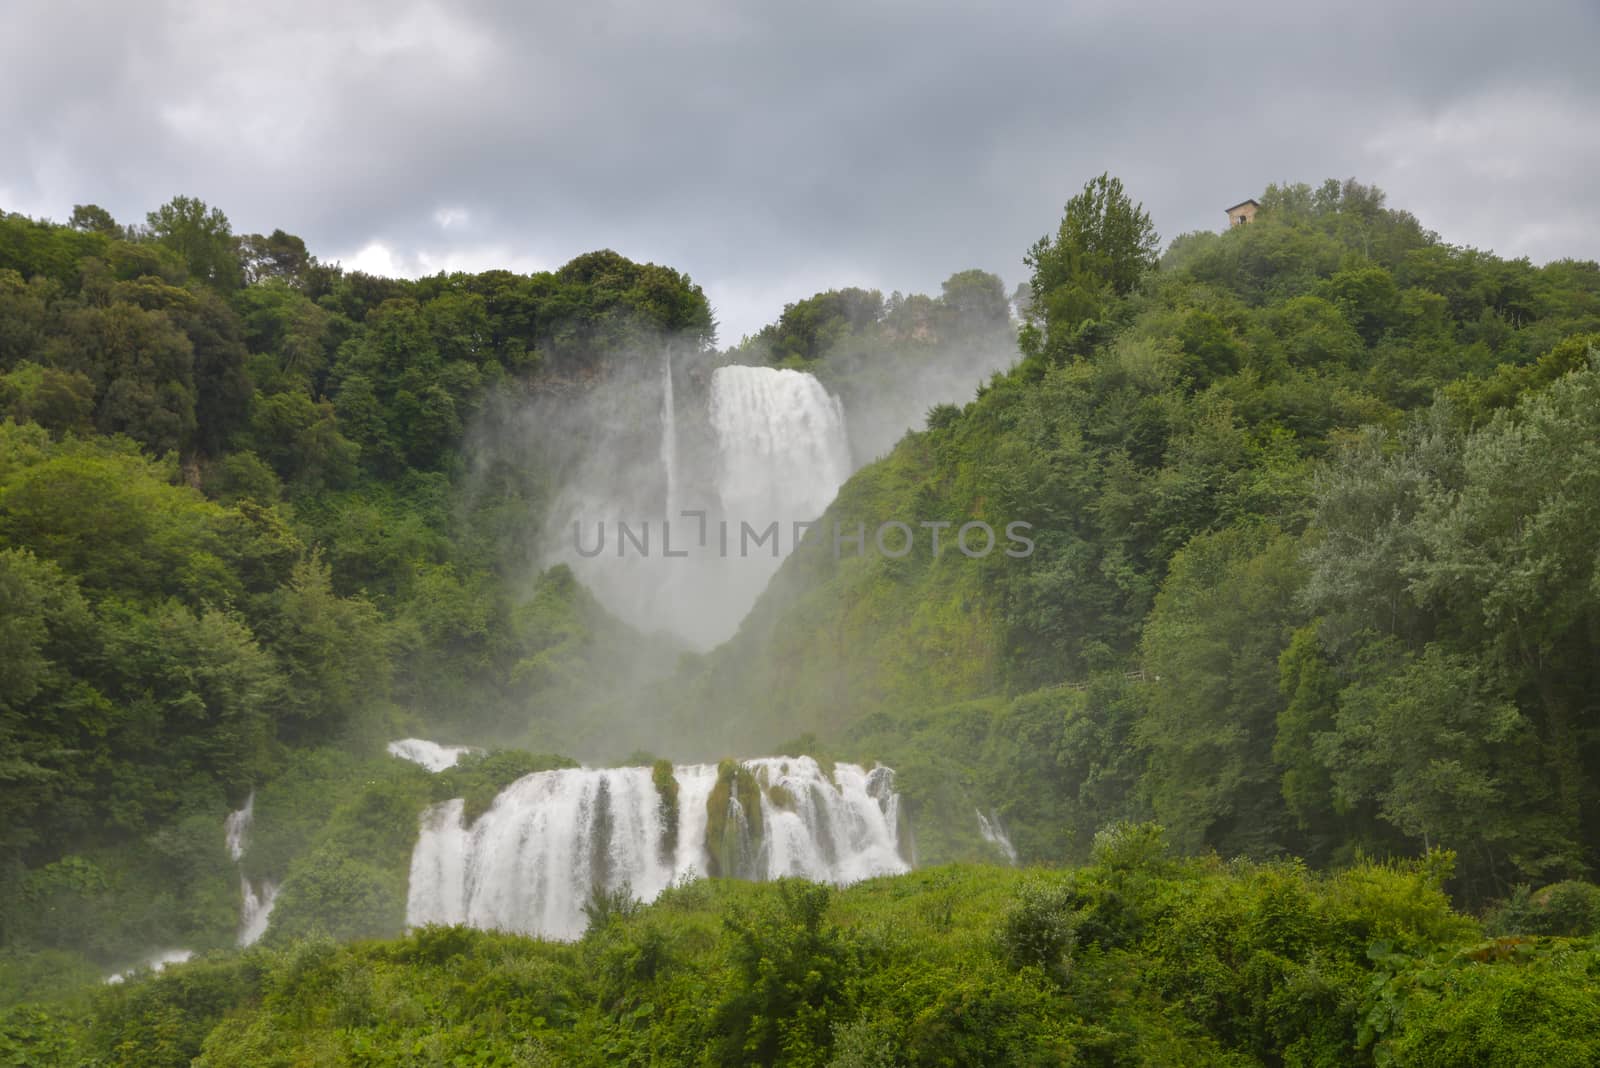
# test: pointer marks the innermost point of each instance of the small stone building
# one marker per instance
(1243, 212)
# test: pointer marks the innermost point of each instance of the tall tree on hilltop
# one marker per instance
(203, 237)
(1104, 245)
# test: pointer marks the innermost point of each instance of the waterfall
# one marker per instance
(781, 444)
(669, 436)
(550, 839)
(989, 826)
(255, 907)
(256, 910)
(154, 963)
(236, 828)
(839, 832)
(431, 755)
(763, 446)
(695, 783)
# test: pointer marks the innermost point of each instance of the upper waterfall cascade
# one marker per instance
(755, 446)
(551, 839)
(781, 442)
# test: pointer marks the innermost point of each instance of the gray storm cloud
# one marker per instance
(774, 150)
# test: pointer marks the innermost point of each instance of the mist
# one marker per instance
(673, 477)
(887, 394)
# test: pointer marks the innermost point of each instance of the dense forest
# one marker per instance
(1291, 713)
(1315, 576)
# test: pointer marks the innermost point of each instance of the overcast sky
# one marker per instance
(771, 150)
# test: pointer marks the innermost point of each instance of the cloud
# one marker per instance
(376, 257)
(1534, 192)
(878, 142)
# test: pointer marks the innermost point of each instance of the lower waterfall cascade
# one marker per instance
(549, 840)
(994, 832)
(256, 900)
(155, 962)
(431, 755)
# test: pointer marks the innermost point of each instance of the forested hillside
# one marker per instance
(240, 536)
(1314, 503)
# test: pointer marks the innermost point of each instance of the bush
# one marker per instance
(791, 971)
(479, 778)
(31, 1036)
(1570, 909)
(1527, 1009)
(163, 1020)
(1040, 930)
(1129, 846)
(330, 893)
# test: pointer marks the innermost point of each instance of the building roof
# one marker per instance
(1241, 204)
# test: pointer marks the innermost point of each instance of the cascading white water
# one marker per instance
(549, 840)
(774, 451)
(155, 962)
(995, 834)
(669, 436)
(256, 911)
(431, 755)
(782, 447)
(695, 783)
(236, 828)
(839, 832)
(255, 906)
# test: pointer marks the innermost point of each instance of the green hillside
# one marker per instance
(1279, 673)
(1312, 503)
(1136, 959)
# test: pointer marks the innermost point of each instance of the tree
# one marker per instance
(1366, 535)
(60, 401)
(1368, 298)
(24, 316)
(195, 697)
(1223, 618)
(1509, 561)
(142, 367)
(809, 329)
(1445, 759)
(1111, 235)
(277, 255)
(222, 386)
(976, 303)
(792, 969)
(333, 652)
(1103, 247)
(300, 438)
(92, 218)
(41, 612)
(281, 323)
(203, 237)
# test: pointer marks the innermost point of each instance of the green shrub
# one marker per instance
(332, 894)
(1515, 1006)
(1567, 908)
(31, 1037)
(162, 1020)
(479, 778)
(1129, 846)
(729, 853)
(666, 784)
(1040, 930)
(791, 971)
